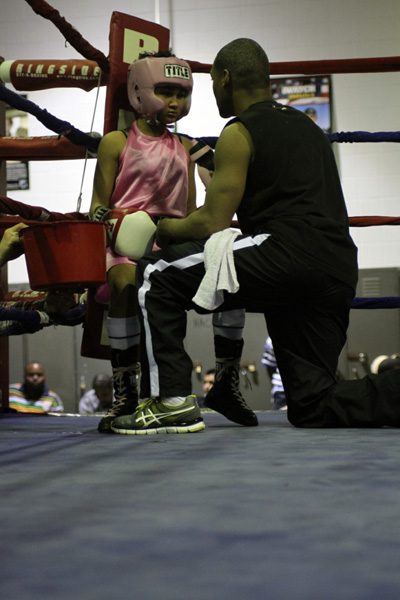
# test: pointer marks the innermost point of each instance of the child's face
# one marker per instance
(174, 98)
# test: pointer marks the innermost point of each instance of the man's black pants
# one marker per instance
(306, 312)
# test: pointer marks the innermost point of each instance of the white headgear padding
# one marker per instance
(145, 74)
(131, 232)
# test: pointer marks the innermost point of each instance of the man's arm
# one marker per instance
(191, 201)
(232, 157)
(10, 244)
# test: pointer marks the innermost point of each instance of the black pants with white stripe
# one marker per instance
(306, 312)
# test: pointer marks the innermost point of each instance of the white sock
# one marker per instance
(123, 332)
(173, 400)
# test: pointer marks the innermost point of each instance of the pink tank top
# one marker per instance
(153, 174)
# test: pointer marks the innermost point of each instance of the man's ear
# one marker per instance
(226, 78)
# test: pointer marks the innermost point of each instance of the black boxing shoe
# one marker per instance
(225, 398)
(125, 382)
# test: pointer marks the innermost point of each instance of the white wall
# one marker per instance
(288, 30)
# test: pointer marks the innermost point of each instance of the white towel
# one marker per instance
(220, 270)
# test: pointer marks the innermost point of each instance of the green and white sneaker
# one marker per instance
(153, 416)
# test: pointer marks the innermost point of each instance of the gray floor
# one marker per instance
(229, 513)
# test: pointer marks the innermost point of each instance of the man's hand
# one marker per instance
(59, 301)
(163, 237)
(11, 244)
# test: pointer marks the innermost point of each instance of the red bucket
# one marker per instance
(65, 254)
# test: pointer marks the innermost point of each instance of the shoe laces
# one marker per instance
(144, 403)
(119, 385)
(123, 378)
(118, 403)
(230, 373)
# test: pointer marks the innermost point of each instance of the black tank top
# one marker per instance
(293, 190)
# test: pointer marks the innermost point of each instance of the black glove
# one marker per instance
(99, 214)
(71, 317)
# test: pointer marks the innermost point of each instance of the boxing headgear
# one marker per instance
(146, 73)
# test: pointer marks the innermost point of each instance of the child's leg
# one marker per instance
(124, 334)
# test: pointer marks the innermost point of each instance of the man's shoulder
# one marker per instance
(89, 395)
(89, 402)
(235, 137)
(15, 389)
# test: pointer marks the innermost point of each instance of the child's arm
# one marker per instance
(106, 171)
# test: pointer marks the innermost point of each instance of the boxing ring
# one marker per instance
(128, 36)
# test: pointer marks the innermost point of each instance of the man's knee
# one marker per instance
(143, 263)
(308, 417)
